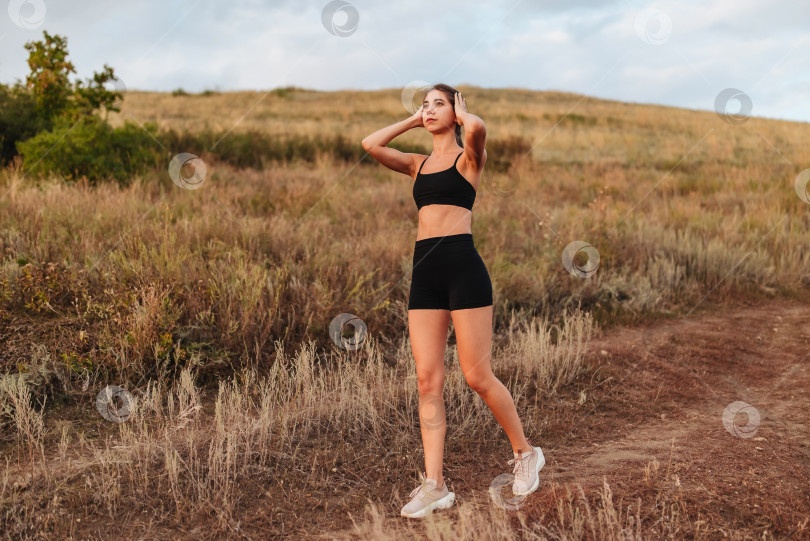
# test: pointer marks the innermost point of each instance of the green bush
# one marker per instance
(47, 100)
(93, 149)
(19, 120)
(256, 149)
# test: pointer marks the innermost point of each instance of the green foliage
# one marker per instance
(509, 147)
(19, 119)
(77, 364)
(50, 69)
(255, 149)
(93, 95)
(48, 98)
(500, 152)
(284, 92)
(54, 95)
(91, 148)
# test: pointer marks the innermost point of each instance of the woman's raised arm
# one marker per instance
(375, 145)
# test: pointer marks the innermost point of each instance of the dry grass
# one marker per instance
(575, 519)
(171, 293)
(173, 454)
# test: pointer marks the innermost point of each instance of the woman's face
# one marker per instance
(436, 107)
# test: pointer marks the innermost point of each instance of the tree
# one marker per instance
(54, 94)
(48, 98)
(95, 95)
(48, 79)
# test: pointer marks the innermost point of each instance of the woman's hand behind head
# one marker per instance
(418, 122)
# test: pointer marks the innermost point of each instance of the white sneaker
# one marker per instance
(527, 471)
(426, 497)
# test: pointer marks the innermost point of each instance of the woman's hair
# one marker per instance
(450, 92)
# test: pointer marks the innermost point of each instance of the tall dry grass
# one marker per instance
(194, 463)
(16, 403)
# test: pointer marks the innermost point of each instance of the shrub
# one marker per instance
(48, 96)
(255, 149)
(19, 120)
(91, 148)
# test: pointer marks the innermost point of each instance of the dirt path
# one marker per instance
(674, 381)
(757, 355)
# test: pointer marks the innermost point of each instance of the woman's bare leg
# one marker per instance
(473, 328)
(428, 332)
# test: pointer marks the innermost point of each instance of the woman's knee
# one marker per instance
(430, 383)
(481, 381)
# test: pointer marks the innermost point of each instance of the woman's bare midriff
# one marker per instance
(443, 220)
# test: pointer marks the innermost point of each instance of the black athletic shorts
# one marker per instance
(448, 274)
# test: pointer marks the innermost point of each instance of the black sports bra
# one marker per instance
(446, 187)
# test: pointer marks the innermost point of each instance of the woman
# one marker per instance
(450, 280)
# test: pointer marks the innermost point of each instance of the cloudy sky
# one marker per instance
(683, 53)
